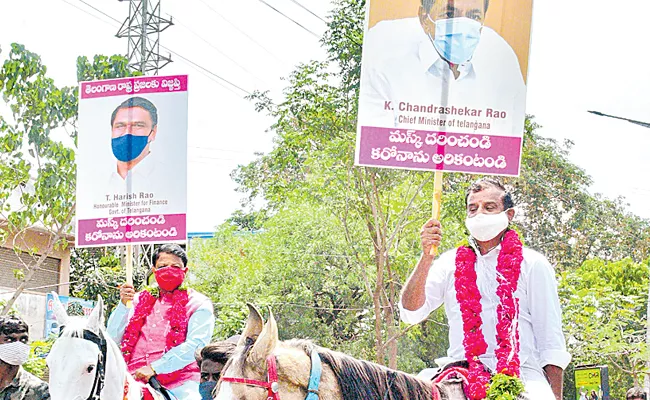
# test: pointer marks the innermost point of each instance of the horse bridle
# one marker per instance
(272, 386)
(100, 370)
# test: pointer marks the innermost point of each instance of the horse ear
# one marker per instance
(266, 342)
(96, 319)
(59, 310)
(254, 325)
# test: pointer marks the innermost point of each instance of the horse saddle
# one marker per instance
(449, 380)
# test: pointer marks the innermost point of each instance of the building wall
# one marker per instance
(31, 307)
(45, 279)
(53, 275)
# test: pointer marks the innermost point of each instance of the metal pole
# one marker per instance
(143, 39)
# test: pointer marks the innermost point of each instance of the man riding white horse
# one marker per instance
(165, 326)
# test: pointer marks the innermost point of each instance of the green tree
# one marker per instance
(36, 364)
(37, 151)
(379, 211)
(605, 316)
(97, 271)
(301, 266)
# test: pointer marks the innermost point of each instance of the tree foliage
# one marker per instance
(375, 214)
(37, 151)
(605, 317)
(98, 272)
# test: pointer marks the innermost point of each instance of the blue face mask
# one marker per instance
(129, 147)
(456, 39)
(206, 388)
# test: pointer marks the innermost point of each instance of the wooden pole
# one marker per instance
(437, 203)
(129, 267)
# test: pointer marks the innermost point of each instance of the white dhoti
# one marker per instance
(536, 384)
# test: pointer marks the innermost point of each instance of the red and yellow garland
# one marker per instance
(176, 315)
(469, 298)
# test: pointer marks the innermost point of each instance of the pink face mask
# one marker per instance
(169, 278)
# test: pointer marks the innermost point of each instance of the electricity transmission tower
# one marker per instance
(142, 29)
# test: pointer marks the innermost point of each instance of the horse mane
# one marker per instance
(74, 328)
(362, 380)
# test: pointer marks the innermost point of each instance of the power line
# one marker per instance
(241, 31)
(289, 18)
(215, 164)
(99, 11)
(308, 10)
(224, 150)
(216, 158)
(206, 70)
(86, 11)
(42, 287)
(187, 60)
(215, 48)
(239, 305)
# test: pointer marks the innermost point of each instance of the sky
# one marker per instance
(583, 57)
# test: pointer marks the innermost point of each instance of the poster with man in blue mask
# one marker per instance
(443, 85)
(132, 161)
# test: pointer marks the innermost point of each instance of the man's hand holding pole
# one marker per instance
(413, 295)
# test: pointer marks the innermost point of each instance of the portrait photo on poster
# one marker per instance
(133, 155)
(433, 68)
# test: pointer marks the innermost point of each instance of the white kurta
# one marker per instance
(540, 320)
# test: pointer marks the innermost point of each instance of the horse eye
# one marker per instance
(90, 368)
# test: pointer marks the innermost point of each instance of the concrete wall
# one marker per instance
(37, 239)
(31, 307)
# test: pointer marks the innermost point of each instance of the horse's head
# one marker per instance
(250, 372)
(78, 357)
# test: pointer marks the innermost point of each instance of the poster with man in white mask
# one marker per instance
(443, 85)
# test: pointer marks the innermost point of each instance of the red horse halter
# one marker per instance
(271, 385)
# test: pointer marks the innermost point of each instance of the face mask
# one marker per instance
(484, 227)
(14, 353)
(129, 147)
(169, 278)
(206, 388)
(456, 38)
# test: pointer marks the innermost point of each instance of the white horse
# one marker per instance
(85, 363)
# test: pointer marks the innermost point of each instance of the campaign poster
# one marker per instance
(132, 161)
(592, 383)
(443, 85)
(73, 305)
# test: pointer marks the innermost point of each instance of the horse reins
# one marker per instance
(272, 386)
(100, 370)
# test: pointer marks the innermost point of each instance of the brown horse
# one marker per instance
(260, 356)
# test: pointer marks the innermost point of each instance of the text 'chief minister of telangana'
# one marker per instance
(443, 57)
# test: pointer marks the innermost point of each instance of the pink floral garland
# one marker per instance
(469, 298)
(177, 317)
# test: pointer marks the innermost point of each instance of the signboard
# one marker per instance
(132, 161)
(73, 306)
(592, 383)
(443, 85)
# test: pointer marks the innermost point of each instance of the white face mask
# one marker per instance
(484, 227)
(14, 353)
